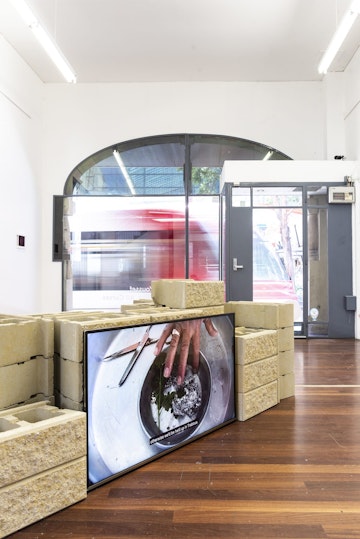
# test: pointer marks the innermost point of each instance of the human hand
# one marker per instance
(183, 333)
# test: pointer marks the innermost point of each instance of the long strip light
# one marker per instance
(338, 38)
(45, 40)
(124, 172)
(269, 155)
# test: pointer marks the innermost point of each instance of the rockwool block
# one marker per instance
(286, 362)
(72, 332)
(57, 318)
(69, 379)
(21, 381)
(252, 345)
(25, 338)
(65, 402)
(286, 339)
(286, 314)
(258, 373)
(253, 314)
(179, 314)
(187, 294)
(36, 437)
(256, 401)
(286, 385)
(41, 495)
(140, 307)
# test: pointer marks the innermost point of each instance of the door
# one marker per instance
(287, 243)
(263, 237)
(237, 248)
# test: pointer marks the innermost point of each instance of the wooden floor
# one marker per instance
(292, 472)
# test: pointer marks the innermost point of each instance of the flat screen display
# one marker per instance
(152, 388)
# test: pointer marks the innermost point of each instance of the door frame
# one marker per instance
(342, 302)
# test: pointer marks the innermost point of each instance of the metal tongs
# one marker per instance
(137, 348)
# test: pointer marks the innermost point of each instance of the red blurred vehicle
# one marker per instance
(127, 249)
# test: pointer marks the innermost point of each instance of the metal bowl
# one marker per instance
(170, 413)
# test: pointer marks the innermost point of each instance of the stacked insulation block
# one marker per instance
(42, 359)
(187, 294)
(264, 348)
(69, 330)
(26, 360)
(42, 463)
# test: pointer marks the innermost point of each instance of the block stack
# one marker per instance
(26, 360)
(264, 346)
(39, 475)
(69, 330)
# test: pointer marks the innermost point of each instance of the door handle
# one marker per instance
(236, 266)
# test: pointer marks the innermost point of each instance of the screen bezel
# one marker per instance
(92, 362)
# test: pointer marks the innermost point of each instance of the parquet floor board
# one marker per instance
(291, 472)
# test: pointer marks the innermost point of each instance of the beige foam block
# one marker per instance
(56, 319)
(10, 318)
(175, 314)
(286, 339)
(72, 332)
(253, 314)
(64, 402)
(252, 345)
(259, 373)
(286, 362)
(69, 378)
(41, 495)
(36, 437)
(287, 385)
(20, 382)
(25, 338)
(256, 401)
(286, 314)
(186, 293)
(140, 307)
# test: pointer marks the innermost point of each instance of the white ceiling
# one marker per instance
(183, 40)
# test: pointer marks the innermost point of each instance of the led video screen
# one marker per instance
(153, 388)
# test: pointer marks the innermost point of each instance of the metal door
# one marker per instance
(237, 245)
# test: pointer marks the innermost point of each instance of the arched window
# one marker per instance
(146, 209)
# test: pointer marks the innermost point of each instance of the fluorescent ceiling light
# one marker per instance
(124, 172)
(268, 155)
(338, 38)
(45, 40)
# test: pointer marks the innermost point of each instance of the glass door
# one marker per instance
(278, 248)
(263, 246)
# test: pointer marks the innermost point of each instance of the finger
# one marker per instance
(170, 357)
(210, 328)
(183, 358)
(165, 334)
(196, 351)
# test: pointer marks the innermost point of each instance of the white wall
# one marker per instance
(82, 119)
(352, 137)
(46, 130)
(20, 175)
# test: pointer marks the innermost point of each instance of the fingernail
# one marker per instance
(178, 380)
(166, 372)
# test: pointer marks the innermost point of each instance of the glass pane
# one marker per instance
(277, 196)
(119, 245)
(204, 238)
(318, 272)
(278, 257)
(155, 169)
(205, 180)
(241, 197)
